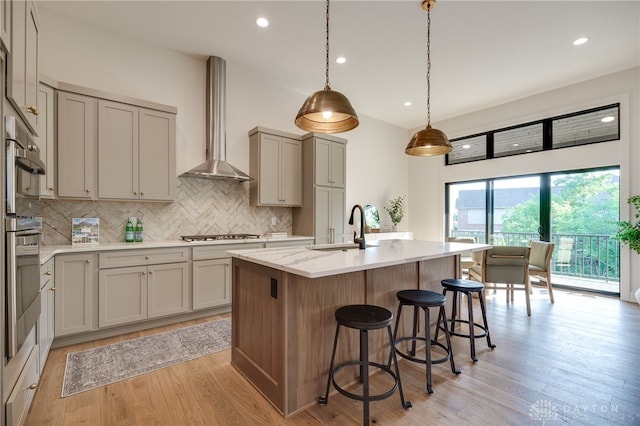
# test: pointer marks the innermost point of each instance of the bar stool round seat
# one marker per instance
(364, 318)
(468, 287)
(424, 299)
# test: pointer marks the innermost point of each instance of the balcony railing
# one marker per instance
(576, 255)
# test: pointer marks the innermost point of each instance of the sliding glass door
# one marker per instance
(576, 210)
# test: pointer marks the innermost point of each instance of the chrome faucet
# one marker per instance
(360, 241)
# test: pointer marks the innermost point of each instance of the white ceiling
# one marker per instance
(483, 53)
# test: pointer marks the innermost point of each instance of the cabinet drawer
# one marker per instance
(46, 273)
(294, 243)
(220, 251)
(118, 259)
(22, 394)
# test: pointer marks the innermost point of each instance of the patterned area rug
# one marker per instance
(92, 368)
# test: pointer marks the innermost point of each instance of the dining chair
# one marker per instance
(540, 263)
(504, 268)
(466, 261)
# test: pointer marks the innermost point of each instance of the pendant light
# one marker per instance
(429, 141)
(327, 111)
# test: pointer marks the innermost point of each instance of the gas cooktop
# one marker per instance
(216, 237)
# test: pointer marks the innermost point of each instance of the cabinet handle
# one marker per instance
(48, 273)
(87, 191)
(146, 257)
(150, 272)
(50, 188)
(144, 273)
(88, 260)
(27, 188)
(33, 386)
(33, 110)
(135, 193)
(53, 289)
(141, 194)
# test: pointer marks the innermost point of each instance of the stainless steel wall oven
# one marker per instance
(23, 237)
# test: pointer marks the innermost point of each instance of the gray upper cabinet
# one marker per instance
(5, 25)
(157, 155)
(45, 140)
(330, 161)
(323, 208)
(77, 144)
(117, 151)
(23, 78)
(276, 166)
(131, 147)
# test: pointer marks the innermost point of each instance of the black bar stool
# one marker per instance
(468, 287)
(364, 318)
(424, 299)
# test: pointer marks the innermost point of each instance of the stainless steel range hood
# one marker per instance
(215, 167)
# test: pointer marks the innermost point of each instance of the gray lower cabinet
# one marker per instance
(76, 276)
(211, 283)
(212, 274)
(46, 322)
(145, 291)
(19, 400)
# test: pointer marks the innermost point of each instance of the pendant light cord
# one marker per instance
(326, 85)
(428, 64)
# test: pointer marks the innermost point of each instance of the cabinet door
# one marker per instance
(211, 283)
(168, 287)
(75, 281)
(32, 76)
(157, 155)
(338, 164)
(322, 162)
(77, 143)
(22, 84)
(44, 124)
(291, 172)
(117, 151)
(123, 296)
(323, 230)
(269, 179)
(46, 323)
(338, 215)
(5, 24)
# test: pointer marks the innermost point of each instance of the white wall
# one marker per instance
(87, 55)
(427, 176)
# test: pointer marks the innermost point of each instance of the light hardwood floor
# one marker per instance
(574, 362)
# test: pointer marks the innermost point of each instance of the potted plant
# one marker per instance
(629, 233)
(395, 208)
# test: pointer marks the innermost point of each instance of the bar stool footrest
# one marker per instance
(359, 397)
(475, 324)
(420, 360)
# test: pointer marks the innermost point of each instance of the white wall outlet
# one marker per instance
(273, 220)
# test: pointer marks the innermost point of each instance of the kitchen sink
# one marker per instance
(337, 247)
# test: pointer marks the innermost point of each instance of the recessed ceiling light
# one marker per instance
(466, 146)
(408, 103)
(580, 41)
(608, 119)
(341, 59)
(262, 22)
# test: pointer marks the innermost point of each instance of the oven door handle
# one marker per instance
(12, 338)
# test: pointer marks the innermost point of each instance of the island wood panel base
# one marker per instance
(258, 333)
(298, 327)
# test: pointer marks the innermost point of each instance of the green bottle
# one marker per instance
(128, 232)
(138, 231)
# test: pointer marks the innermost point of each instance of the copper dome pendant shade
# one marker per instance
(429, 141)
(327, 111)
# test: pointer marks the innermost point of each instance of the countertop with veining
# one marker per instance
(326, 260)
(47, 252)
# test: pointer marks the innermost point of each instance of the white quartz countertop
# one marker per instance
(47, 252)
(313, 263)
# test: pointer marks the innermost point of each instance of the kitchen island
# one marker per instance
(284, 300)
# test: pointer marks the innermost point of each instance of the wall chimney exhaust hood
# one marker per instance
(215, 166)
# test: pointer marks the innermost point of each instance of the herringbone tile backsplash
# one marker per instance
(201, 207)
